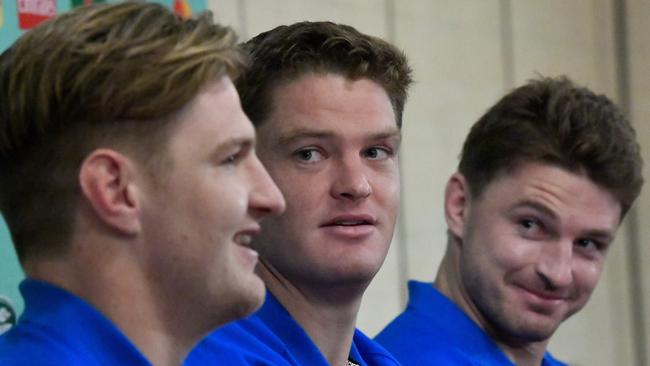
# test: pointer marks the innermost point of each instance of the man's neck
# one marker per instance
(327, 314)
(531, 354)
(521, 354)
(120, 295)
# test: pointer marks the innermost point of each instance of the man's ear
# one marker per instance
(107, 182)
(457, 200)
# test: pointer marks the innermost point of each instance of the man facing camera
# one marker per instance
(130, 186)
(544, 180)
(327, 104)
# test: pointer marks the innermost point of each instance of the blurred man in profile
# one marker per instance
(327, 103)
(545, 178)
(130, 186)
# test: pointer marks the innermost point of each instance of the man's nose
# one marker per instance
(265, 197)
(555, 264)
(351, 182)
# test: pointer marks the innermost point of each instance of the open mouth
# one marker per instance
(244, 239)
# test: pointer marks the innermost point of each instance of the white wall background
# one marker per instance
(466, 54)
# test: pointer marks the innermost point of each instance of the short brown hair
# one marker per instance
(287, 52)
(551, 120)
(100, 75)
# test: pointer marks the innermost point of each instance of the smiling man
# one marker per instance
(544, 180)
(327, 103)
(130, 186)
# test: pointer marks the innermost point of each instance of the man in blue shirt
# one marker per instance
(544, 180)
(129, 185)
(327, 103)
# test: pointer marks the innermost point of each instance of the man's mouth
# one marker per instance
(245, 237)
(246, 253)
(350, 227)
(351, 223)
(244, 240)
(351, 220)
(543, 301)
(545, 295)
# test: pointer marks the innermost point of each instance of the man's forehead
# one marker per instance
(556, 190)
(313, 85)
(322, 102)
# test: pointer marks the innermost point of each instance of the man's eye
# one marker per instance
(309, 156)
(233, 159)
(530, 229)
(528, 224)
(377, 153)
(588, 244)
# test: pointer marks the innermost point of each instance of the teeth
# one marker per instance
(244, 239)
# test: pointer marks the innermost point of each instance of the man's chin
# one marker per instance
(250, 298)
(350, 280)
(534, 332)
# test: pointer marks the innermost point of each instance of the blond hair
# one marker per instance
(95, 76)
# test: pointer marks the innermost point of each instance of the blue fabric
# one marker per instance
(272, 337)
(58, 328)
(433, 330)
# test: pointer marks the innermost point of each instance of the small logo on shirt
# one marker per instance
(7, 315)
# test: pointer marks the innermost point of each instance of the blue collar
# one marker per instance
(457, 325)
(72, 322)
(278, 320)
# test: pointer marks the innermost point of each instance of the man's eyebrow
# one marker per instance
(602, 234)
(389, 133)
(300, 134)
(243, 142)
(535, 205)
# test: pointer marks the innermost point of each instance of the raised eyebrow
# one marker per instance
(600, 234)
(538, 206)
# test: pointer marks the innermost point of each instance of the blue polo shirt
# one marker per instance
(59, 328)
(433, 330)
(272, 337)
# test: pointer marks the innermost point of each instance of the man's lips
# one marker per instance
(350, 226)
(243, 241)
(350, 220)
(546, 295)
(245, 237)
(543, 300)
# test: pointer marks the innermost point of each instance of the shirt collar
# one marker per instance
(71, 320)
(457, 324)
(278, 319)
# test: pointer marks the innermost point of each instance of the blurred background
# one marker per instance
(466, 54)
